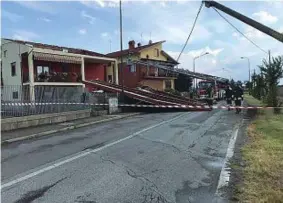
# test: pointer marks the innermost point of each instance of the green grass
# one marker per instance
(252, 101)
(263, 157)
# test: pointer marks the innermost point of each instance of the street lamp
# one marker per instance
(194, 65)
(121, 47)
(249, 64)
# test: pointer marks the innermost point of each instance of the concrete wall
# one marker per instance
(35, 120)
(13, 54)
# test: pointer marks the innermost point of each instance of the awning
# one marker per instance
(56, 58)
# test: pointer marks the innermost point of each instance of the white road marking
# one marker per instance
(83, 154)
(225, 171)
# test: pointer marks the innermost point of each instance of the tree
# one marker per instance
(272, 72)
(232, 83)
(183, 83)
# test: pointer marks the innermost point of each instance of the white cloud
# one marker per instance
(265, 17)
(205, 64)
(171, 23)
(82, 31)
(47, 20)
(38, 6)
(11, 16)
(102, 3)
(105, 35)
(163, 4)
(235, 34)
(90, 18)
(25, 35)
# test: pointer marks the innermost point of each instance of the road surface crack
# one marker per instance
(204, 133)
(163, 143)
(152, 193)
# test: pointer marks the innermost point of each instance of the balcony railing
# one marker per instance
(59, 77)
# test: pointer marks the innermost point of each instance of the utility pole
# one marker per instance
(249, 64)
(269, 57)
(121, 46)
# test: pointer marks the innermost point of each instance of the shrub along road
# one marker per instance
(258, 169)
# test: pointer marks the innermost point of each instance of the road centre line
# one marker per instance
(83, 154)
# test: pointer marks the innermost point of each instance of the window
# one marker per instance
(168, 84)
(110, 78)
(65, 68)
(15, 95)
(5, 53)
(156, 51)
(133, 68)
(13, 69)
(42, 69)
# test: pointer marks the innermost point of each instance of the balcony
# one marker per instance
(58, 77)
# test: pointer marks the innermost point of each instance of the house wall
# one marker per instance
(151, 53)
(13, 54)
(125, 58)
(131, 79)
(94, 71)
(109, 71)
(25, 71)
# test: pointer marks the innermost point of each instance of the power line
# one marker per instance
(240, 31)
(191, 31)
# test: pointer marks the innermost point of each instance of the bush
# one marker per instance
(172, 91)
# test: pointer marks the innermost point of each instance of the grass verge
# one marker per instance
(262, 179)
(252, 101)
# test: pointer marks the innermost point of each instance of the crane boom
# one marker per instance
(272, 33)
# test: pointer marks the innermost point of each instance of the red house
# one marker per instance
(33, 64)
(140, 66)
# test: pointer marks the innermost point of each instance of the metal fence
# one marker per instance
(16, 100)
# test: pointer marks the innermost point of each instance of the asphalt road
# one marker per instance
(164, 157)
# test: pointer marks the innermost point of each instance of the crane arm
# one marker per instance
(272, 33)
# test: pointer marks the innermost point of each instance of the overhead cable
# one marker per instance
(240, 31)
(191, 31)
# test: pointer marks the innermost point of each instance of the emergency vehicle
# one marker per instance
(217, 88)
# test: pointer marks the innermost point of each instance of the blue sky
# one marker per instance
(92, 24)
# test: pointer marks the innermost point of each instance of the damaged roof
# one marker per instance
(138, 49)
(58, 48)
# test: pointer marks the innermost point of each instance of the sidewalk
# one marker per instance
(38, 131)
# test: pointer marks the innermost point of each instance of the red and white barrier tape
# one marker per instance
(136, 105)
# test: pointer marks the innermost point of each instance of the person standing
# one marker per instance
(229, 95)
(238, 96)
(209, 92)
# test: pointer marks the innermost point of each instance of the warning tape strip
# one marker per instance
(138, 105)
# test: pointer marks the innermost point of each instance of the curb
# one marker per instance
(36, 135)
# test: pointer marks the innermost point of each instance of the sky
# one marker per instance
(94, 25)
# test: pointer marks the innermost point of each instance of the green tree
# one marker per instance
(272, 72)
(259, 85)
(232, 83)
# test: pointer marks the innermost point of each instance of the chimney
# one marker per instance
(139, 44)
(150, 42)
(132, 44)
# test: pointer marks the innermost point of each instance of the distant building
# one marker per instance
(140, 66)
(27, 65)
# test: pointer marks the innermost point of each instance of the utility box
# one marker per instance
(113, 105)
